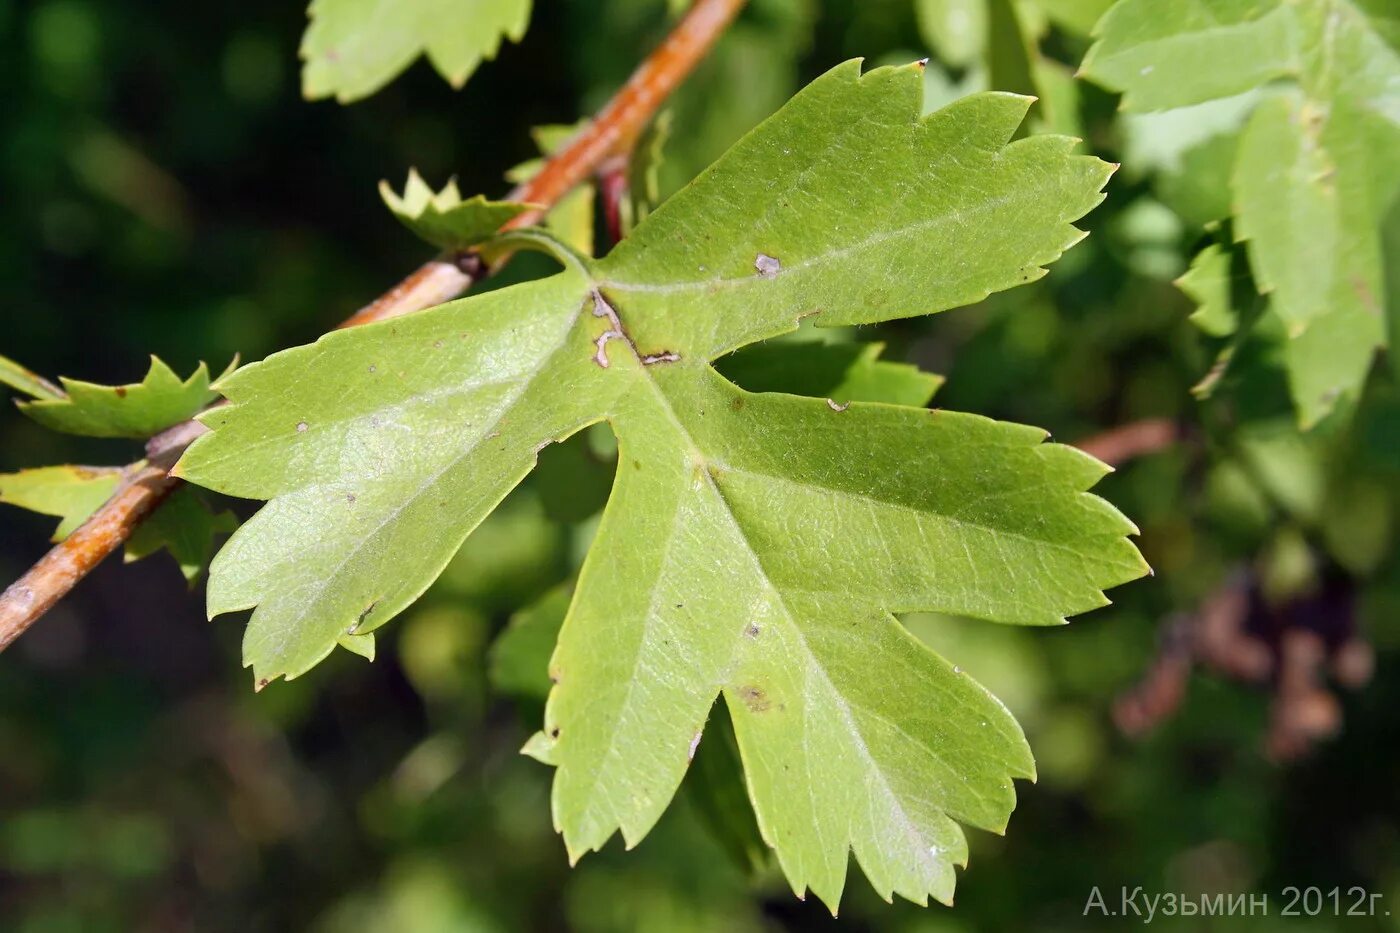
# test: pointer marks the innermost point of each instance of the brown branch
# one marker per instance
(1135, 439)
(55, 574)
(613, 131)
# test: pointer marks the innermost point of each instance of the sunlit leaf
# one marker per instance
(139, 410)
(70, 492)
(755, 545)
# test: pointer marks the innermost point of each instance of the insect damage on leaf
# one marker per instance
(755, 545)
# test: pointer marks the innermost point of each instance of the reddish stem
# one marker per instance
(1135, 439)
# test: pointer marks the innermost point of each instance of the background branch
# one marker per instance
(612, 132)
(1134, 439)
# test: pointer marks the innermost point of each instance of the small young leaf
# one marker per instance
(444, 219)
(184, 526)
(31, 384)
(755, 544)
(70, 492)
(352, 48)
(137, 410)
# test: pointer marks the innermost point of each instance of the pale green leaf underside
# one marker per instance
(137, 410)
(755, 545)
(70, 492)
(1315, 166)
(182, 524)
(443, 218)
(352, 48)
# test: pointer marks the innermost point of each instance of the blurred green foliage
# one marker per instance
(167, 191)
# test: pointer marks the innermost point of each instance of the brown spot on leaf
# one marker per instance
(121, 391)
(755, 699)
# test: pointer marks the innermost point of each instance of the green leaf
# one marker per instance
(842, 372)
(70, 492)
(184, 526)
(1165, 55)
(1076, 16)
(755, 544)
(519, 660)
(1208, 284)
(444, 219)
(956, 30)
(22, 380)
(137, 410)
(352, 48)
(1315, 166)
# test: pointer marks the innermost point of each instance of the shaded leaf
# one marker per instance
(1315, 166)
(842, 372)
(184, 526)
(519, 659)
(1208, 284)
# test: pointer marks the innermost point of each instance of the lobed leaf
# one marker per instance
(755, 545)
(70, 492)
(443, 218)
(137, 410)
(1207, 283)
(352, 48)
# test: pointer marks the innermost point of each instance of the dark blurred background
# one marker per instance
(164, 189)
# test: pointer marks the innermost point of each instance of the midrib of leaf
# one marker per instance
(836, 697)
(877, 239)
